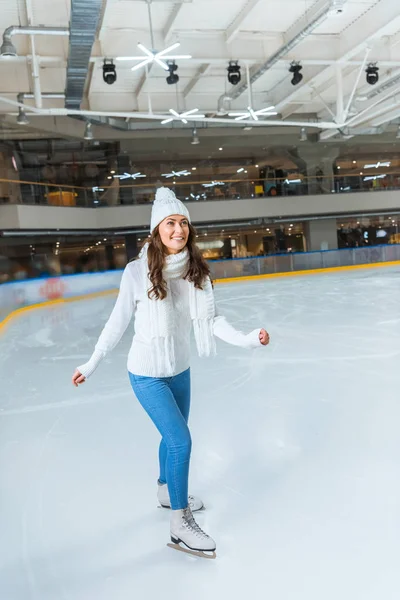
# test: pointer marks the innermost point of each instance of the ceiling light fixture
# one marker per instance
(295, 68)
(372, 72)
(7, 48)
(183, 116)
(109, 72)
(213, 184)
(176, 174)
(88, 134)
(22, 118)
(234, 75)
(253, 114)
(374, 177)
(377, 165)
(129, 176)
(151, 56)
(195, 140)
(172, 78)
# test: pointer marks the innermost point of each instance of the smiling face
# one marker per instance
(174, 233)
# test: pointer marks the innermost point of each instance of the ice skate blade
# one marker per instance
(197, 553)
(169, 508)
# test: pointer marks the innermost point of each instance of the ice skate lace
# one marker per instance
(190, 524)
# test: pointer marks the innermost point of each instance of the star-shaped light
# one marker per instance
(176, 174)
(153, 56)
(129, 176)
(183, 116)
(374, 177)
(377, 165)
(213, 183)
(254, 114)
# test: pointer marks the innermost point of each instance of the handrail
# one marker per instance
(251, 180)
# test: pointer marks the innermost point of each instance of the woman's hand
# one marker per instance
(78, 378)
(264, 337)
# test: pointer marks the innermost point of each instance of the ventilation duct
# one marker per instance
(85, 16)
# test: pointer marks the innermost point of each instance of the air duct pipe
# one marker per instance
(8, 48)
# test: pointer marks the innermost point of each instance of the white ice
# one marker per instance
(296, 453)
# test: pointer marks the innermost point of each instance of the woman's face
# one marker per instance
(174, 233)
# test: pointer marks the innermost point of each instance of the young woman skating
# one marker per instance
(169, 291)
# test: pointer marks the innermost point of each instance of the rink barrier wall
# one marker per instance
(39, 293)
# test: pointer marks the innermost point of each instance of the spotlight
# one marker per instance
(88, 135)
(295, 68)
(195, 139)
(22, 119)
(109, 72)
(234, 75)
(372, 74)
(172, 77)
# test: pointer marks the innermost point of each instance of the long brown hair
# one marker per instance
(198, 269)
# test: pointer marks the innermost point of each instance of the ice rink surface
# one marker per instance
(296, 452)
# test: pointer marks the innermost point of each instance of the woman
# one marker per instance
(169, 290)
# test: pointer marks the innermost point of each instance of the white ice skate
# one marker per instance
(185, 530)
(163, 498)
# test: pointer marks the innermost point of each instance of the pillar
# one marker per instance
(9, 192)
(321, 234)
(131, 246)
(318, 160)
(110, 261)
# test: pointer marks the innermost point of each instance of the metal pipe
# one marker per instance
(349, 103)
(33, 30)
(23, 95)
(8, 48)
(339, 95)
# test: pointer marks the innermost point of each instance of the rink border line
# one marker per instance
(19, 311)
(24, 309)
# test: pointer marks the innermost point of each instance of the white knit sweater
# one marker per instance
(132, 301)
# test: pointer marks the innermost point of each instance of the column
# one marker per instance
(321, 234)
(131, 246)
(319, 162)
(9, 192)
(110, 261)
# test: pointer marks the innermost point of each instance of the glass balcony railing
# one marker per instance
(118, 194)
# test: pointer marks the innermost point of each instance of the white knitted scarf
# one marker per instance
(162, 315)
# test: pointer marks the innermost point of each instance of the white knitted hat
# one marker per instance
(166, 204)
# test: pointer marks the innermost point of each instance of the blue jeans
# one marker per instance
(167, 402)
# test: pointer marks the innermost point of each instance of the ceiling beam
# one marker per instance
(201, 71)
(169, 26)
(236, 24)
(372, 26)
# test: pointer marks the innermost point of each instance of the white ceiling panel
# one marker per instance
(49, 12)
(275, 15)
(130, 14)
(208, 14)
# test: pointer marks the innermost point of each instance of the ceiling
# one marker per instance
(334, 40)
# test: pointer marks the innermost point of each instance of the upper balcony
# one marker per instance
(32, 206)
